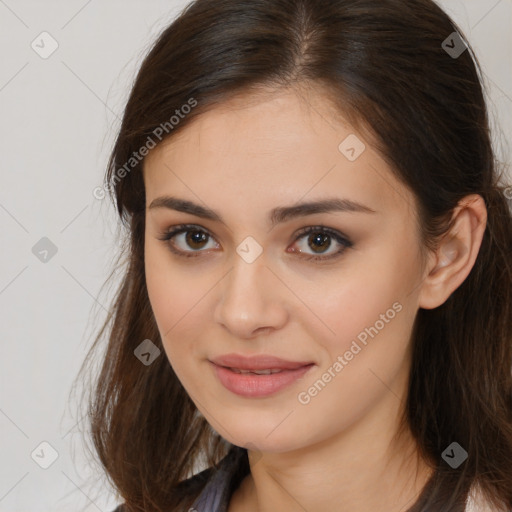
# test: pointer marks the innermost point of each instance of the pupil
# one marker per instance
(320, 239)
(195, 237)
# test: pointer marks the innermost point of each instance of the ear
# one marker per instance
(452, 262)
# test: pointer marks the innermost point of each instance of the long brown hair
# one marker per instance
(385, 65)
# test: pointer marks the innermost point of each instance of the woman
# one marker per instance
(316, 311)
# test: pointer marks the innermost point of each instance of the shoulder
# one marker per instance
(477, 502)
(213, 485)
(196, 481)
(222, 481)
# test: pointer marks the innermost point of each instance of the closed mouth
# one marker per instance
(268, 371)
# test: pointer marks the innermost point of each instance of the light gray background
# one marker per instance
(58, 120)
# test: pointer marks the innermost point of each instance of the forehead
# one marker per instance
(275, 148)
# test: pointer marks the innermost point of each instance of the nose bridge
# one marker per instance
(250, 299)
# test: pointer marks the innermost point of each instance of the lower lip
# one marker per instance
(252, 385)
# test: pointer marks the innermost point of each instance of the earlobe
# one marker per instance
(456, 254)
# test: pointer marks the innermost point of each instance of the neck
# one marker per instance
(364, 469)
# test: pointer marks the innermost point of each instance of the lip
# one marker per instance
(260, 362)
(251, 385)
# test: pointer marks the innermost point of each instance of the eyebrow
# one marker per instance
(276, 216)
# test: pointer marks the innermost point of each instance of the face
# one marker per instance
(342, 296)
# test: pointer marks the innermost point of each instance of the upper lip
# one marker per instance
(261, 362)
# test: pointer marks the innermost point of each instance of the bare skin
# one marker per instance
(336, 450)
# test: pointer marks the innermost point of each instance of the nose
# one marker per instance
(252, 300)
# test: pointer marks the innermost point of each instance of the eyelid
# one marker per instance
(339, 237)
(173, 231)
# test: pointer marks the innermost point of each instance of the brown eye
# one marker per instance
(196, 239)
(186, 240)
(319, 240)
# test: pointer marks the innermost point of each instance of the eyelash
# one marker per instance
(184, 228)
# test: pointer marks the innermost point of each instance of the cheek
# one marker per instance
(365, 317)
(366, 300)
(365, 362)
(166, 290)
(172, 288)
(366, 332)
(178, 296)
